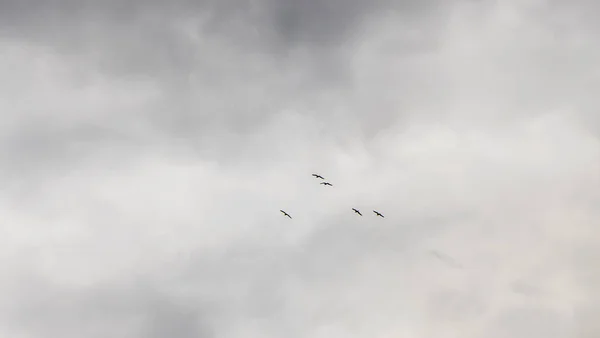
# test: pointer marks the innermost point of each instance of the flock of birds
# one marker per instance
(331, 185)
(442, 257)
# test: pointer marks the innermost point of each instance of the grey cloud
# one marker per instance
(54, 145)
(144, 38)
(530, 322)
(325, 23)
(147, 148)
(192, 61)
(100, 311)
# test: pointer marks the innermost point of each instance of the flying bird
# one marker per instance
(356, 211)
(327, 183)
(446, 259)
(377, 213)
(318, 176)
(285, 214)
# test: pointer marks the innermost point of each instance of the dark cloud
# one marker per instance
(268, 56)
(169, 39)
(289, 23)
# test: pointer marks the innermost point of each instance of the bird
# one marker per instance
(356, 211)
(318, 176)
(285, 214)
(378, 214)
(446, 259)
(327, 183)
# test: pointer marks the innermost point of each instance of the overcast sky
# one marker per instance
(147, 147)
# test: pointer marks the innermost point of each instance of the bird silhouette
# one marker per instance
(327, 183)
(378, 214)
(318, 176)
(356, 211)
(446, 259)
(285, 214)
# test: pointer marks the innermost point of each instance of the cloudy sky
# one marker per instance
(147, 147)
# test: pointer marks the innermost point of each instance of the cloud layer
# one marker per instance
(148, 147)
